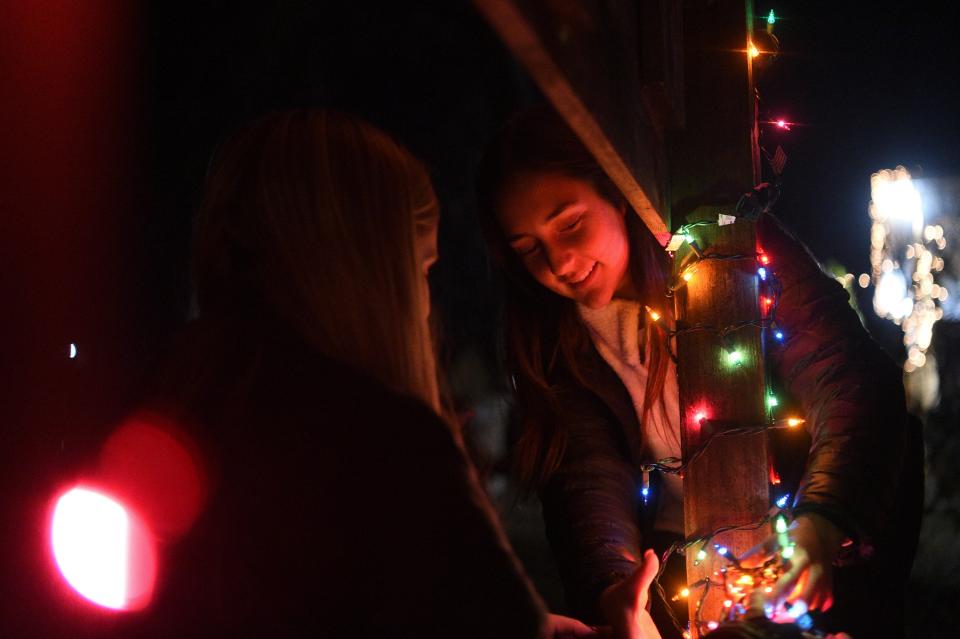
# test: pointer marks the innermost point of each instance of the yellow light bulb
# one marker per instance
(794, 421)
(687, 277)
(685, 593)
(753, 50)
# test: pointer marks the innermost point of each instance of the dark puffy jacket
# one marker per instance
(862, 469)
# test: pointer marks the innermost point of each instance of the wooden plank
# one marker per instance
(713, 161)
(602, 106)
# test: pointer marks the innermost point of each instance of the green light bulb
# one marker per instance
(781, 525)
(701, 555)
(787, 552)
(771, 18)
(772, 401)
(735, 357)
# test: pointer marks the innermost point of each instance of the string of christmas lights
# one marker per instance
(764, 575)
(715, 429)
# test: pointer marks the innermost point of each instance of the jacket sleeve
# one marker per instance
(850, 391)
(589, 507)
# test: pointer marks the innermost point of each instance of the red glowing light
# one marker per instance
(767, 301)
(774, 476)
(764, 259)
(103, 549)
(152, 465)
(700, 414)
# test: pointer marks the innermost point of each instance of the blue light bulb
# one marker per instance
(798, 609)
(762, 272)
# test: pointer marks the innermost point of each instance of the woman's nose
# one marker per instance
(429, 260)
(560, 261)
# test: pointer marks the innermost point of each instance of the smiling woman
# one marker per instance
(587, 343)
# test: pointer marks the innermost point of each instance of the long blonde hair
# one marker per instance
(312, 214)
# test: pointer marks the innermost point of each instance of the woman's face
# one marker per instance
(570, 239)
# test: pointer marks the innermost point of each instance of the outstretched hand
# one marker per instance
(809, 575)
(560, 627)
(624, 604)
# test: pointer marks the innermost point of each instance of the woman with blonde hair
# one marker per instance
(341, 503)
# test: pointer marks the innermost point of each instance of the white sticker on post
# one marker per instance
(676, 242)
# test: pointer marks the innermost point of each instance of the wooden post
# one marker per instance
(714, 160)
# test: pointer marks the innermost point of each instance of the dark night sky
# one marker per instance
(874, 87)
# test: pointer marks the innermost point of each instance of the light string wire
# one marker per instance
(676, 466)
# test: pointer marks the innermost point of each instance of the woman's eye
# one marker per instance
(526, 249)
(572, 225)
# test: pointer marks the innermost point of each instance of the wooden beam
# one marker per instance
(713, 161)
(524, 41)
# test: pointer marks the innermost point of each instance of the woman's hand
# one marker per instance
(809, 577)
(560, 627)
(624, 604)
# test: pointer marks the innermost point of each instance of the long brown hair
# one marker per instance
(543, 334)
(313, 215)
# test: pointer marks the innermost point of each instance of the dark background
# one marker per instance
(96, 253)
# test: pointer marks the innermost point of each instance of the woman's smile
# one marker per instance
(586, 278)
